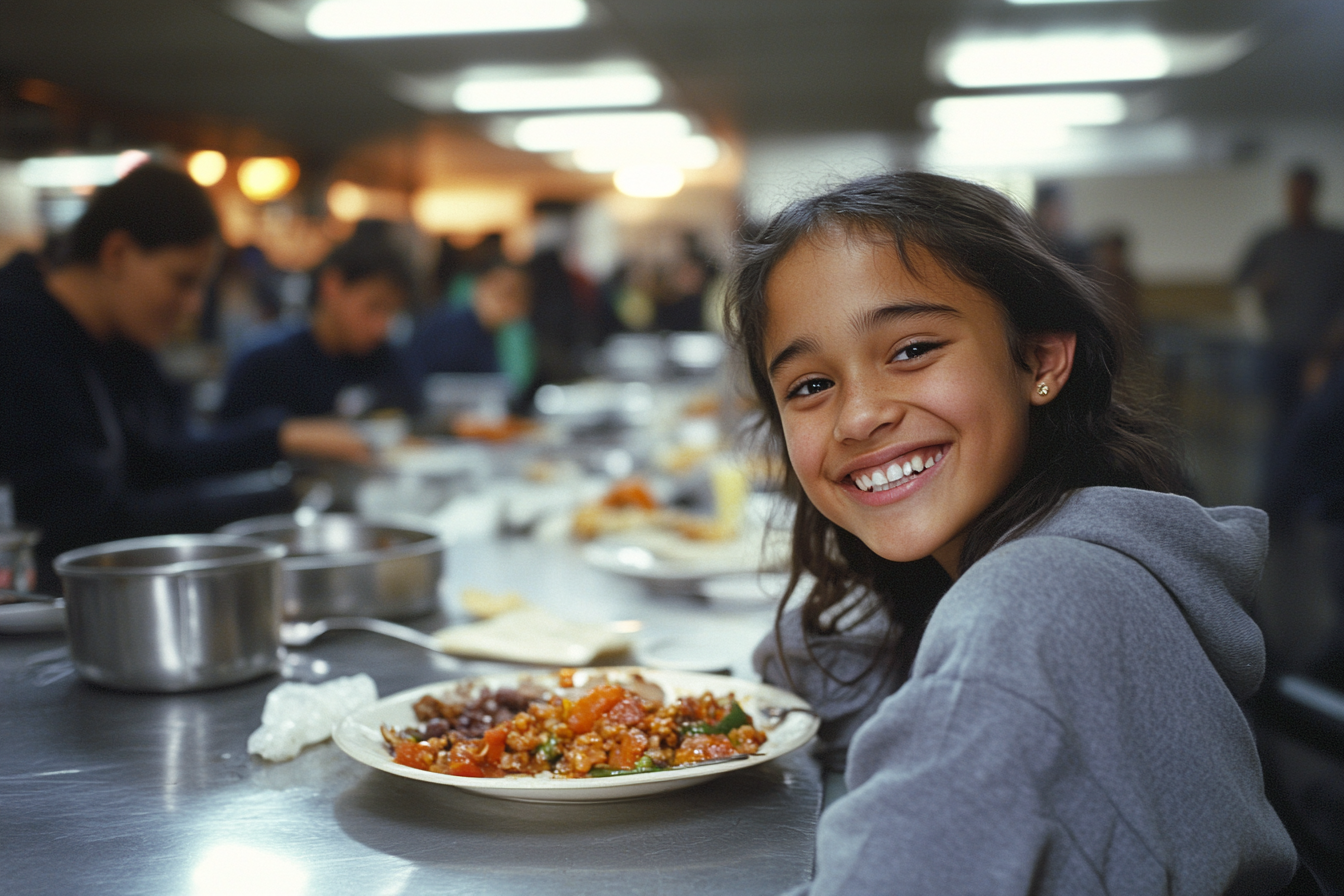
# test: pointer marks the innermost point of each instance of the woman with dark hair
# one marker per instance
(95, 439)
(1028, 647)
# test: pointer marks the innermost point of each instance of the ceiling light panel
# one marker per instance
(1059, 2)
(1027, 110)
(361, 19)
(558, 133)
(499, 88)
(696, 151)
(577, 91)
(1055, 58)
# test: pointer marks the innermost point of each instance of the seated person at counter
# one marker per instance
(1025, 645)
(96, 440)
(490, 335)
(341, 362)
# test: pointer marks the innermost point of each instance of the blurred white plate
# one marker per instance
(746, 589)
(657, 555)
(359, 736)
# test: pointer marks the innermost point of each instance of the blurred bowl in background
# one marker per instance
(343, 565)
(173, 613)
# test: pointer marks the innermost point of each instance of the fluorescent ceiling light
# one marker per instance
(649, 181)
(1078, 57)
(557, 133)
(1027, 110)
(1056, 59)
(695, 151)
(558, 92)
(78, 171)
(354, 19)
(521, 88)
(1054, 2)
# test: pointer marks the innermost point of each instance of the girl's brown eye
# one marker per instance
(809, 387)
(915, 350)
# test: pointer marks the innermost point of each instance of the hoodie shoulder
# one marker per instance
(1208, 562)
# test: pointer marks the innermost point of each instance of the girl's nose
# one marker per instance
(863, 412)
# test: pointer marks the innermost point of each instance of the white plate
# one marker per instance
(657, 555)
(747, 589)
(31, 618)
(359, 736)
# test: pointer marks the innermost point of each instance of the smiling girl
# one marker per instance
(1030, 648)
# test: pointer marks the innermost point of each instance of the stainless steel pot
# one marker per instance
(173, 613)
(342, 565)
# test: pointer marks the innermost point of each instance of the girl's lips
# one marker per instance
(890, 473)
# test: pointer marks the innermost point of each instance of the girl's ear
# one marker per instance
(1050, 358)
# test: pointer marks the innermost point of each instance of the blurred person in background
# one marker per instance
(1297, 270)
(1051, 213)
(681, 300)
(341, 362)
(96, 439)
(490, 335)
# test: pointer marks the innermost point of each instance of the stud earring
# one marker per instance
(1042, 389)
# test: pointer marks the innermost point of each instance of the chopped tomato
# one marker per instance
(628, 711)
(414, 754)
(494, 743)
(463, 759)
(629, 749)
(592, 706)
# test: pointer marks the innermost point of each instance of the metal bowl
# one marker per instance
(173, 613)
(342, 565)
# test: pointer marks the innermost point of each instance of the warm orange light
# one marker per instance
(469, 210)
(207, 167)
(264, 179)
(347, 201)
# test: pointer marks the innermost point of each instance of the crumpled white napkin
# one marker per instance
(298, 714)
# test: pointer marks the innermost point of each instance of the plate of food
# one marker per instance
(663, 555)
(577, 735)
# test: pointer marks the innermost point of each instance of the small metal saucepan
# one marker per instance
(342, 565)
(174, 612)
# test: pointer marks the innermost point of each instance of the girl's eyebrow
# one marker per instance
(882, 314)
(863, 323)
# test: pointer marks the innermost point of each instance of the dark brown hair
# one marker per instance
(159, 207)
(1087, 436)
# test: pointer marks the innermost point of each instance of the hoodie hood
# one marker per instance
(1208, 559)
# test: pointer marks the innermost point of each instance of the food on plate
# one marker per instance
(605, 728)
(631, 504)
(490, 429)
(627, 504)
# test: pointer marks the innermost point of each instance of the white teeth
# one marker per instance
(880, 480)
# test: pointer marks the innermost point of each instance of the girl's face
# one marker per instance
(904, 414)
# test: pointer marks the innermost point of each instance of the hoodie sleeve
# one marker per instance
(842, 676)
(961, 787)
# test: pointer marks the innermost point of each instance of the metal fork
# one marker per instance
(301, 634)
(776, 714)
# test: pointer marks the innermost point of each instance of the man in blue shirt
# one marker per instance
(341, 363)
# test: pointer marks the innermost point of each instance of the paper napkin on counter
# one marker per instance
(532, 635)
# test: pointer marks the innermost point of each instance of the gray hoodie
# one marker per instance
(1071, 722)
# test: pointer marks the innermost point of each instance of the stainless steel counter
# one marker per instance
(113, 793)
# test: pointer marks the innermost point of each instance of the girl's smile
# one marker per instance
(904, 411)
